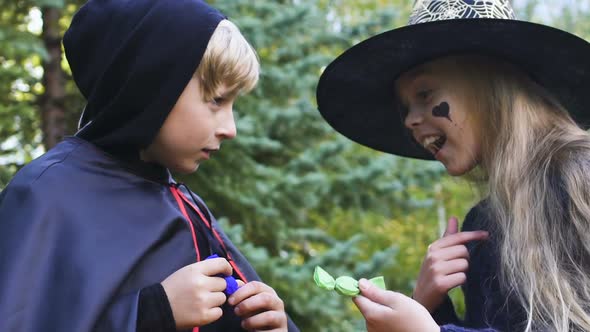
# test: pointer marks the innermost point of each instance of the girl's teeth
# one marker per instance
(430, 140)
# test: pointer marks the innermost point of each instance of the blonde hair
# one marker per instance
(536, 164)
(228, 60)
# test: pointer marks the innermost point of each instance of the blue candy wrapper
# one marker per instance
(230, 281)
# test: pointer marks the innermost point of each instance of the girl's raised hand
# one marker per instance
(444, 266)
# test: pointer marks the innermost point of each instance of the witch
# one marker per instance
(506, 104)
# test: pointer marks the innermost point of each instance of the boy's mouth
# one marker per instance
(434, 143)
(208, 152)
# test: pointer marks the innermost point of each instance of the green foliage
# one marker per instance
(21, 57)
(50, 3)
(19, 85)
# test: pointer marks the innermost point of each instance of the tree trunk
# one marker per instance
(52, 102)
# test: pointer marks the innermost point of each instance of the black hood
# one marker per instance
(132, 59)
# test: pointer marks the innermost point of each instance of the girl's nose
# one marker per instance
(414, 118)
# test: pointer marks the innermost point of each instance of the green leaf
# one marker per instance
(50, 3)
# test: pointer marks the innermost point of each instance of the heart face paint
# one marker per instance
(442, 111)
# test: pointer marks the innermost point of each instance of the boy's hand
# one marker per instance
(387, 311)
(445, 265)
(260, 307)
(196, 294)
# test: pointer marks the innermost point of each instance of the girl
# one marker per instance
(505, 102)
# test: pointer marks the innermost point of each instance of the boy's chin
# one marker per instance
(186, 169)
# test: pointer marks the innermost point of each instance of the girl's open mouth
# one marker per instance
(434, 143)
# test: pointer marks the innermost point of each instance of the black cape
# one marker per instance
(82, 233)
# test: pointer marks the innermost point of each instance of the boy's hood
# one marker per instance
(132, 59)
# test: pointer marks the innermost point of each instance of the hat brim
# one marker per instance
(356, 95)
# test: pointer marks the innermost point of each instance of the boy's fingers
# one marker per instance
(216, 299)
(214, 266)
(248, 290)
(459, 238)
(240, 283)
(257, 303)
(215, 284)
(452, 226)
(264, 321)
(212, 314)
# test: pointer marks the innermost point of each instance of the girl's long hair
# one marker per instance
(535, 161)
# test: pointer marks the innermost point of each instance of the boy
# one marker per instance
(95, 234)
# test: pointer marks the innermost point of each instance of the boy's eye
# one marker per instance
(218, 101)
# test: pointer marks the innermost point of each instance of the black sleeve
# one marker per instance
(445, 313)
(154, 311)
(453, 328)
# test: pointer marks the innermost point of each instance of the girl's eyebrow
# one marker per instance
(408, 79)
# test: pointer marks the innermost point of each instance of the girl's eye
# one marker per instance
(423, 94)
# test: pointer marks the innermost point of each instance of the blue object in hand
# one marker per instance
(230, 281)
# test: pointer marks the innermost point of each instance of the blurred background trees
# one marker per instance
(291, 192)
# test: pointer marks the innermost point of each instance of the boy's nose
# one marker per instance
(227, 128)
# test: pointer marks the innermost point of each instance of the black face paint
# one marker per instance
(442, 111)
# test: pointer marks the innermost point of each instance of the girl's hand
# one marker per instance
(260, 307)
(196, 294)
(445, 265)
(387, 311)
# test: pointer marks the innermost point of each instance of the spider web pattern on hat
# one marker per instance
(437, 10)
